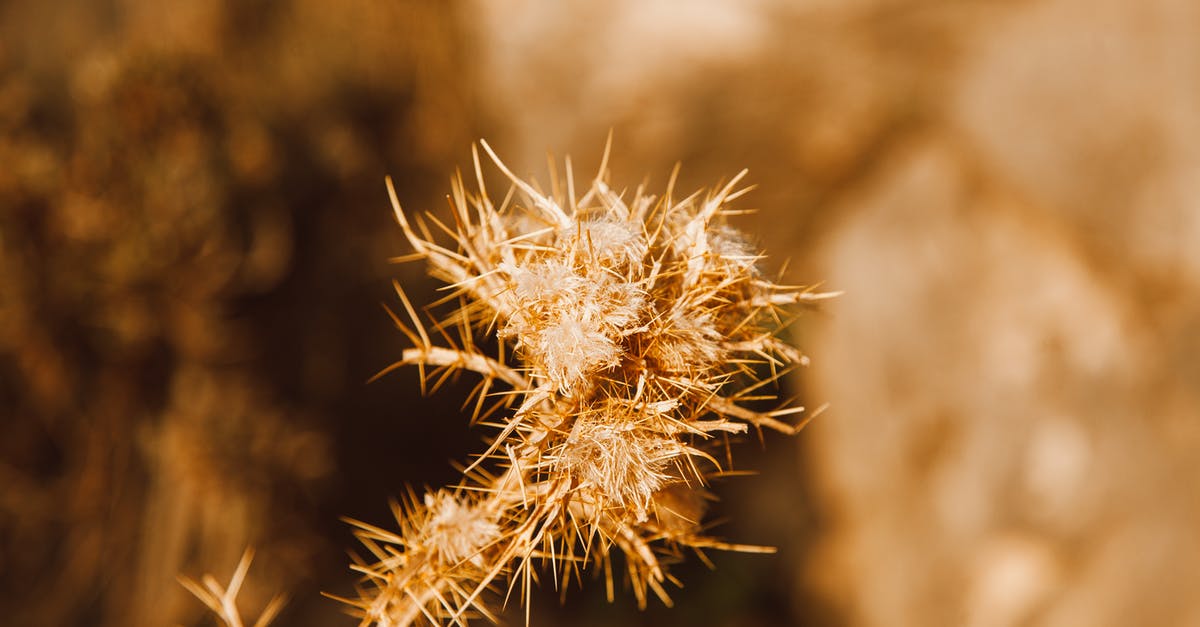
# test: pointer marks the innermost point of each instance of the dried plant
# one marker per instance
(631, 337)
(222, 600)
(632, 332)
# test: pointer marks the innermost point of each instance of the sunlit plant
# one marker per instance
(635, 335)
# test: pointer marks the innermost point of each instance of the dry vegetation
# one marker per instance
(192, 252)
(636, 332)
(638, 327)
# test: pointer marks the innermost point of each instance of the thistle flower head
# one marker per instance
(568, 318)
(455, 529)
(623, 463)
(640, 325)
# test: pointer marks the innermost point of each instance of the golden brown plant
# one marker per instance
(633, 331)
(222, 600)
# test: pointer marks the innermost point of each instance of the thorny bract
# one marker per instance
(633, 330)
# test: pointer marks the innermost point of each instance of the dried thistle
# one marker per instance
(632, 333)
(222, 600)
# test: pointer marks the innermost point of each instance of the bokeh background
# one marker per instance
(194, 244)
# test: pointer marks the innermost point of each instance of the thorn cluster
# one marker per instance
(633, 330)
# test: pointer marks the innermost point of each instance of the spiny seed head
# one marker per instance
(569, 318)
(623, 463)
(457, 529)
(639, 325)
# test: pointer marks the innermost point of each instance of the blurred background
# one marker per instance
(194, 244)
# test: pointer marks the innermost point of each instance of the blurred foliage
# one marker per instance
(192, 248)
